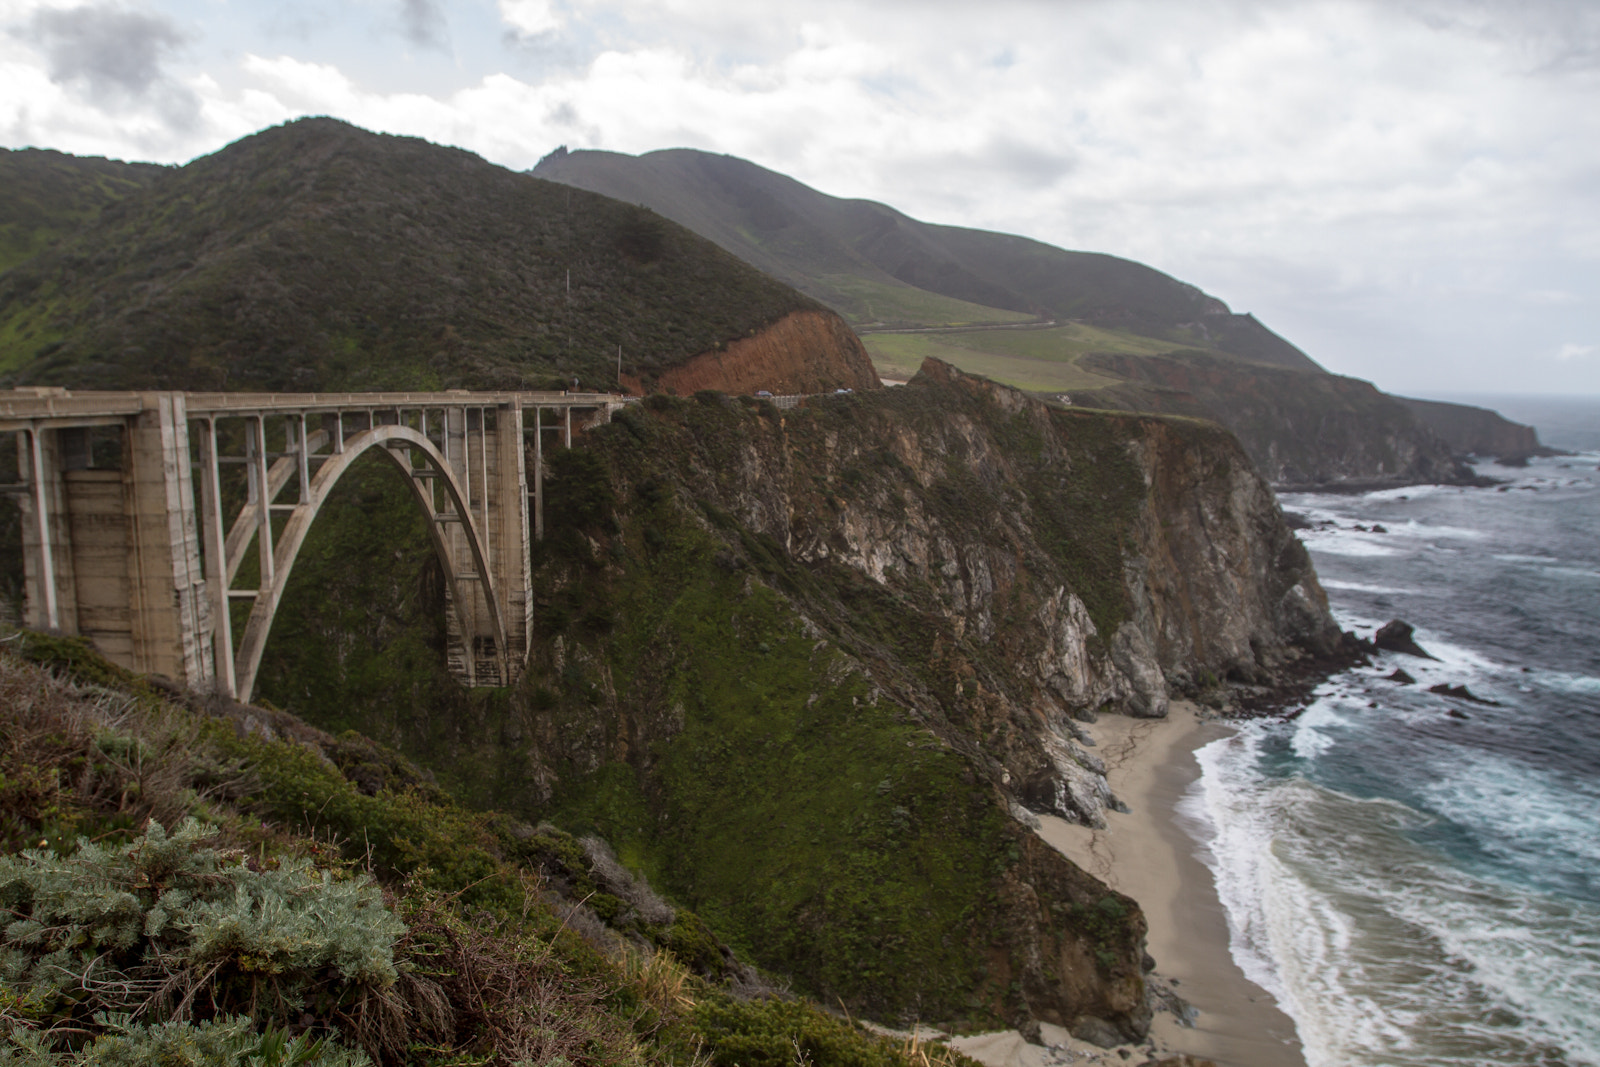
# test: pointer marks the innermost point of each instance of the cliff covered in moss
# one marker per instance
(813, 670)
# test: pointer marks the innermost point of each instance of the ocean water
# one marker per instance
(1416, 877)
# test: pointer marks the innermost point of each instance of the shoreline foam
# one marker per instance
(1145, 853)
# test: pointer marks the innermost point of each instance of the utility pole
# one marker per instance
(619, 366)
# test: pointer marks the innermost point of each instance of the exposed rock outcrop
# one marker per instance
(803, 352)
(1301, 428)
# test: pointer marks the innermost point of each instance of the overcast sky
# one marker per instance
(1407, 189)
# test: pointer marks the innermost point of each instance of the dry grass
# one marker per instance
(76, 757)
(486, 988)
(919, 1051)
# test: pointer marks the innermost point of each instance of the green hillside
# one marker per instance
(319, 256)
(831, 248)
(48, 194)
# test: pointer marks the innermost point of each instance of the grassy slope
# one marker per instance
(318, 256)
(890, 303)
(494, 908)
(814, 240)
(1036, 360)
(1300, 426)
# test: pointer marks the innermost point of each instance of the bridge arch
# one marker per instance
(402, 446)
(141, 559)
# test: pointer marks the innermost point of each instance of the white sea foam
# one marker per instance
(1349, 620)
(1363, 587)
(1348, 543)
(1452, 662)
(1381, 952)
(1408, 492)
(1236, 839)
(1572, 572)
(1570, 683)
(1312, 729)
(1528, 811)
(1549, 565)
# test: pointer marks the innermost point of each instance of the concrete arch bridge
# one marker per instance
(148, 515)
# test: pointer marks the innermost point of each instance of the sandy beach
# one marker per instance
(1147, 855)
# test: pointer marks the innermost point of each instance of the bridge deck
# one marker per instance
(21, 408)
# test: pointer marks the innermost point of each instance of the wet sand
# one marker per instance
(1147, 855)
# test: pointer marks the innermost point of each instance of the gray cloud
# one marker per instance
(1550, 36)
(114, 53)
(422, 22)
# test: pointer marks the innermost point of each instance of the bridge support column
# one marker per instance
(171, 616)
(48, 585)
(510, 541)
(483, 446)
(114, 555)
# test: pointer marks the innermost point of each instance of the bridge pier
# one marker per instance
(142, 552)
(111, 553)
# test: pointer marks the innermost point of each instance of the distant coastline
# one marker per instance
(1567, 421)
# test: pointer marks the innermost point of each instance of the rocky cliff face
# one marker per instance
(1300, 428)
(1475, 431)
(803, 352)
(815, 670)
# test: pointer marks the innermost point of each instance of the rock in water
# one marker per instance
(1395, 636)
(1461, 692)
(1400, 676)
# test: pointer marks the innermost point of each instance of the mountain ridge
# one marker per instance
(859, 256)
(768, 209)
(316, 255)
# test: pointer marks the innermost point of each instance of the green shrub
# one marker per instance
(166, 926)
(779, 1033)
(213, 1043)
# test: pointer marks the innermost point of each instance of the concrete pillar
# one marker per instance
(538, 473)
(512, 570)
(170, 614)
(216, 559)
(49, 586)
